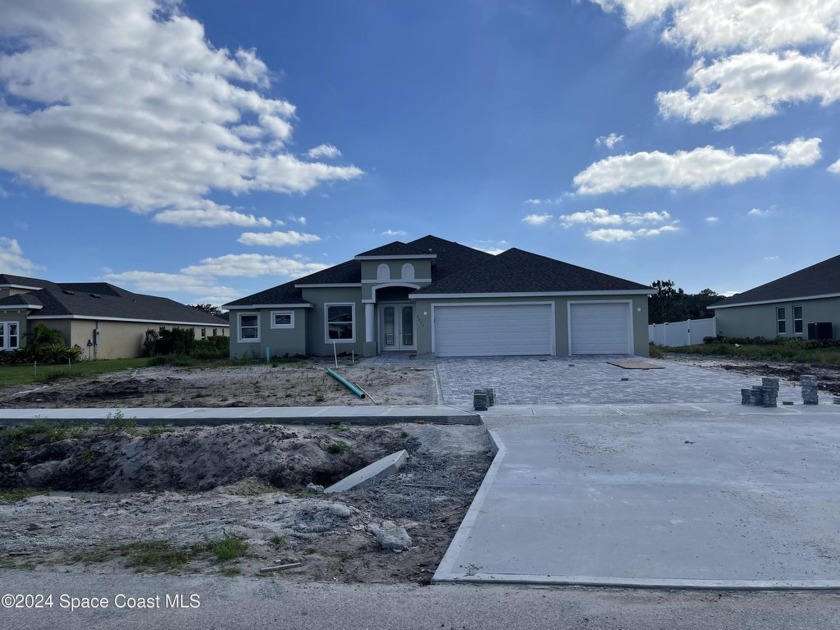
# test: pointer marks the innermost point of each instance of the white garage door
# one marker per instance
(493, 330)
(600, 328)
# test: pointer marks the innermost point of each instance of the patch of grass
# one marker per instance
(230, 571)
(93, 557)
(338, 447)
(229, 548)
(278, 541)
(404, 435)
(27, 374)
(7, 562)
(13, 495)
(341, 427)
(157, 429)
(116, 422)
(157, 555)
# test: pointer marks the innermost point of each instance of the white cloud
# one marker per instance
(252, 265)
(277, 239)
(835, 168)
(394, 233)
(764, 54)
(209, 214)
(769, 258)
(712, 219)
(699, 168)
(326, 151)
(609, 141)
(612, 235)
(492, 247)
(757, 212)
(12, 259)
(124, 103)
(300, 219)
(537, 219)
(659, 222)
(156, 283)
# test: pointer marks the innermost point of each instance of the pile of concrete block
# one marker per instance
(484, 398)
(809, 390)
(764, 395)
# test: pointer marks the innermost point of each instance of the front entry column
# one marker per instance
(368, 323)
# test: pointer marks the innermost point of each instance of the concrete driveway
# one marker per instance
(588, 381)
(612, 476)
(707, 496)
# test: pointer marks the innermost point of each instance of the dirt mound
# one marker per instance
(192, 459)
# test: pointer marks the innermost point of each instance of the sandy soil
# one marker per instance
(828, 378)
(303, 383)
(124, 498)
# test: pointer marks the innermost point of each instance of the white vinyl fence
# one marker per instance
(687, 333)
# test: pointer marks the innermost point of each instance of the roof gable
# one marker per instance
(395, 249)
(820, 279)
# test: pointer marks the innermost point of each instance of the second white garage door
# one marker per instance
(493, 330)
(600, 328)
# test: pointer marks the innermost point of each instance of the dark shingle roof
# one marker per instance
(282, 294)
(451, 256)
(103, 300)
(397, 248)
(349, 272)
(517, 271)
(820, 279)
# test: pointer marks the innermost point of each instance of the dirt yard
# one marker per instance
(243, 499)
(298, 384)
(828, 377)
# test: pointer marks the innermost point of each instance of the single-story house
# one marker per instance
(433, 296)
(107, 322)
(803, 304)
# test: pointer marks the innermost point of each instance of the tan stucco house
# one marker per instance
(433, 296)
(106, 321)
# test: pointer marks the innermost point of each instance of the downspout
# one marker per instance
(358, 392)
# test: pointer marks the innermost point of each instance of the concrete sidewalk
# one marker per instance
(675, 496)
(144, 416)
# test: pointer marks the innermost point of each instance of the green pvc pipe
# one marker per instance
(358, 392)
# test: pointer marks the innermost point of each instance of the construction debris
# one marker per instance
(764, 395)
(809, 390)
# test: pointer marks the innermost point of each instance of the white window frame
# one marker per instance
(274, 323)
(5, 334)
(239, 328)
(407, 271)
(800, 319)
(781, 322)
(383, 272)
(353, 321)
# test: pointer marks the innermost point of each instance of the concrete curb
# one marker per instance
(182, 417)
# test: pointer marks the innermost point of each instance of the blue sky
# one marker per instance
(208, 150)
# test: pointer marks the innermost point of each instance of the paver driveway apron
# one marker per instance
(701, 493)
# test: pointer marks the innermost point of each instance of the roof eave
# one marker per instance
(776, 301)
(516, 294)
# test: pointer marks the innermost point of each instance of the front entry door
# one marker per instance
(397, 326)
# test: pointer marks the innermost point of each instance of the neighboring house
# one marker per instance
(802, 302)
(436, 296)
(107, 322)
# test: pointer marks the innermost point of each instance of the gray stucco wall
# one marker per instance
(760, 320)
(316, 336)
(639, 308)
(278, 341)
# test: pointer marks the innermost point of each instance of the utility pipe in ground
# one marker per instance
(358, 392)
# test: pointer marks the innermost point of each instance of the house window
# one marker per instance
(9, 336)
(781, 321)
(249, 327)
(383, 272)
(340, 323)
(215, 332)
(797, 320)
(408, 271)
(283, 319)
(204, 333)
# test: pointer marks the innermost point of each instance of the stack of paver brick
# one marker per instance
(809, 390)
(764, 395)
(484, 398)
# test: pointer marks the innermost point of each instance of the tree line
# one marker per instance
(669, 303)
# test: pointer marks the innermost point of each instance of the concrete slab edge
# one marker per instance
(388, 465)
(663, 583)
(446, 570)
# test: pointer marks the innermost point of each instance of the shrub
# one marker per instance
(45, 345)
